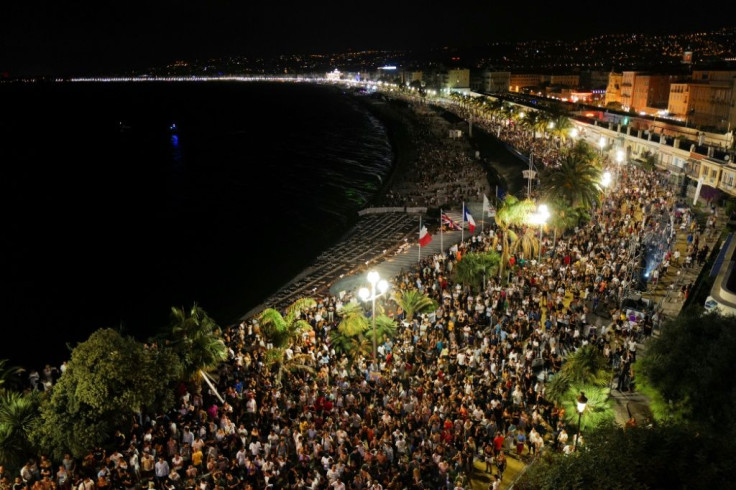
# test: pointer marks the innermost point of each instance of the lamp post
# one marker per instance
(619, 161)
(606, 179)
(366, 294)
(574, 133)
(582, 402)
(540, 217)
(601, 144)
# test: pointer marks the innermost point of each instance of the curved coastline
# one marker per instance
(400, 120)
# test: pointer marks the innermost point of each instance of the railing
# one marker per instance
(394, 209)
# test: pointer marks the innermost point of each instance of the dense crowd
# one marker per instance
(440, 171)
(454, 393)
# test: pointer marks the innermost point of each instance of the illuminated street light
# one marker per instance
(582, 402)
(540, 217)
(366, 294)
(606, 179)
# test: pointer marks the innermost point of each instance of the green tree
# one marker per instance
(636, 458)
(565, 217)
(282, 331)
(527, 242)
(386, 328)
(511, 212)
(279, 364)
(476, 265)
(575, 181)
(560, 126)
(352, 320)
(196, 338)
(690, 368)
(587, 365)
(649, 160)
(107, 380)
(584, 370)
(18, 411)
(599, 408)
(413, 301)
(10, 376)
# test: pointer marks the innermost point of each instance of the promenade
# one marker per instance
(461, 399)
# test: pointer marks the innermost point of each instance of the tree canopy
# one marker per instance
(107, 380)
(660, 457)
(688, 369)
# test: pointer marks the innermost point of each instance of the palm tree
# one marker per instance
(575, 181)
(494, 107)
(528, 242)
(196, 338)
(281, 331)
(353, 321)
(598, 410)
(18, 411)
(587, 366)
(278, 364)
(10, 375)
(385, 329)
(511, 212)
(566, 217)
(413, 301)
(474, 266)
(560, 126)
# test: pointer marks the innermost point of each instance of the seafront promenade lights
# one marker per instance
(582, 402)
(371, 294)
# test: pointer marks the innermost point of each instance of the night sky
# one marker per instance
(56, 36)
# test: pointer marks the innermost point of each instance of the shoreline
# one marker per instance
(397, 125)
(402, 122)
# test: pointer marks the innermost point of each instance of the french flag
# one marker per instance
(467, 217)
(424, 237)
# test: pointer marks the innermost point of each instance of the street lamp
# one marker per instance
(619, 161)
(540, 217)
(582, 402)
(602, 143)
(366, 294)
(574, 133)
(606, 179)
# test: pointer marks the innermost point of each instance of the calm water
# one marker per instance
(108, 224)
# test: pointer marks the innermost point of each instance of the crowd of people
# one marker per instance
(441, 171)
(453, 395)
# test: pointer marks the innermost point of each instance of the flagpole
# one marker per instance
(419, 244)
(462, 225)
(442, 244)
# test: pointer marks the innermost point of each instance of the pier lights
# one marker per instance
(582, 402)
(370, 294)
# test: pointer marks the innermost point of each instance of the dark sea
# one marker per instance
(122, 200)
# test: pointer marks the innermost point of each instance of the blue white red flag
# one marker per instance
(469, 218)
